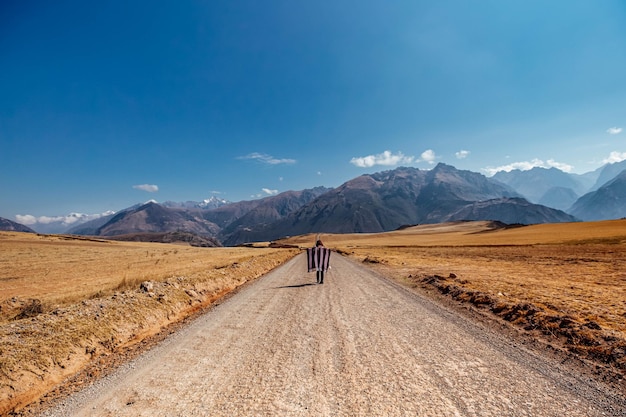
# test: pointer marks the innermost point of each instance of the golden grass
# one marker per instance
(481, 233)
(64, 269)
(566, 282)
(65, 301)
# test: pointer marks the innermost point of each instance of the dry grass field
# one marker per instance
(67, 302)
(562, 283)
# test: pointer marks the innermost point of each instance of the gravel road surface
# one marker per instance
(358, 345)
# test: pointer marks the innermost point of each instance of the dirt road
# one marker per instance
(357, 345)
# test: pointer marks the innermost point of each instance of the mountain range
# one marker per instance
(11, 226)
(383, 201)
(596, 195)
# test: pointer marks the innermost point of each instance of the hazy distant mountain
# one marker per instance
(7, 225)
(608, 202)
(90, 227)
(534, 183)
(560, 198)
(62, 224)
(607, 173)
(152, 217)
(510, 210)
(207, 204)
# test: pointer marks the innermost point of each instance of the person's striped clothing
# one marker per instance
(318, 258)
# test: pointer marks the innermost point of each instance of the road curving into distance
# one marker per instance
(358, 345)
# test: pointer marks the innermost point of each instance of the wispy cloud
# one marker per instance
(559, 165)
(614, 130)
(265, 192)
(151, 188)
(462, 154)
(386, 158)
(428, 156)
(67, 220)
(526, 165)
(268, 159)
(615, 157)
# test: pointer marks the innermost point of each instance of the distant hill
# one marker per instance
(449, 189)
(266, 212)
(608, 202)
(510, 211)
(170, 237)
(7, 225)
(560, 198)
(534, 184)
(560, 190)
(607, 173)
(91, 227)
(152, 217)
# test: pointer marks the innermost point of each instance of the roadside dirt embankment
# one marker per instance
(43, 343)
(569, 298)
(358, 345)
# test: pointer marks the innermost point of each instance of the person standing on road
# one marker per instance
(318, 259)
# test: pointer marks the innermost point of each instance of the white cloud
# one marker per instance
(462, 154)
(527, 165)
(269, 192)
(71, 218)
(428, 156)
(48, 219)
(151, 188)
(614, 130)
(386, 158)
(267, 159)
(25, 219)
(559, 165)
(615, 157)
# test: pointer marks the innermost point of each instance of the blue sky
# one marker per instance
(108, 104)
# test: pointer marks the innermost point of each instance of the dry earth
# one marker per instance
(359, 345)
(68, 303)
(560, 284)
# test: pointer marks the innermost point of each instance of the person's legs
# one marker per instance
(321, 280)
(318, 276)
